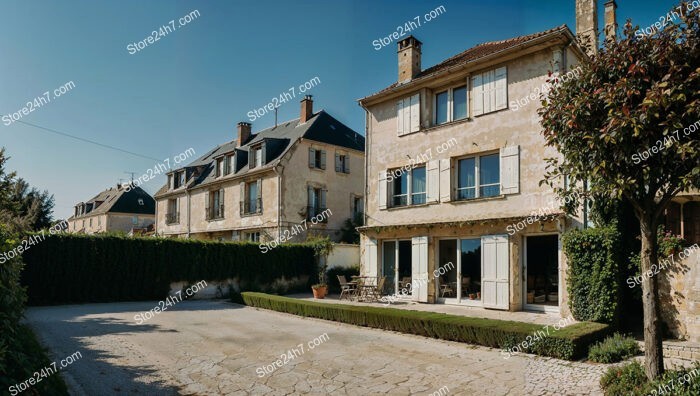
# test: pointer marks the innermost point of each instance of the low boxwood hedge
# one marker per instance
(569, 343)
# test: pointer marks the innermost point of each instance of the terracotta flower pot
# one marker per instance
(320, 291)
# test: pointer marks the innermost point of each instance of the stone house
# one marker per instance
(122, 208)
(455, 211)
(300, 176)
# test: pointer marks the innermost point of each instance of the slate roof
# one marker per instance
(118, 200)
(321, 127)
(475, 53)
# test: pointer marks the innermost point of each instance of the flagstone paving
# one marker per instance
(218, 348)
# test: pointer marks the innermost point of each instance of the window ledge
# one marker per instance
(251, 214)
(216, 219)
(494, 198)
(433, 127)
(390, 208)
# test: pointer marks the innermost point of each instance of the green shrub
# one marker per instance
(570, 342)
(614, 349)
(20, 353)
(70, 268)
(333, 283)
(630, 380)
(594, 273)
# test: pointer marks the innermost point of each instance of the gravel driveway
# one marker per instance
(219, 348)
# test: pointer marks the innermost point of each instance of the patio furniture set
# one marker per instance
(362, 288)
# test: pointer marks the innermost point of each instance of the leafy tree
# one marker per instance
(348, 232)
(620, 130)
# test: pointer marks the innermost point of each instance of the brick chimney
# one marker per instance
(243, 133)
(307, 109)
(587, 23)
(409, 58)
(610, 20)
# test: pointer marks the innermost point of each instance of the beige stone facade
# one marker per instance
(297, 195)
(453, 193)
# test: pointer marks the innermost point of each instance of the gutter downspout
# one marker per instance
(279, 201)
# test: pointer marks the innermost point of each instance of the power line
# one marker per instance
(88, 141)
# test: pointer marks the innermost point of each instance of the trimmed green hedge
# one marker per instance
(594, 273)
(569, 343)
(69, 268)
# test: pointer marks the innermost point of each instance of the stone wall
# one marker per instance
(679, 291)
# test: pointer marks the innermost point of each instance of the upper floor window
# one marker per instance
(357, 206)
(451, 105)
(251, 197)
(317, 158)
(179, 180)
(219, 167)
(490, 91)
(408, 114)
(134, 220)
(342, 163)
(478, 177)
(215, 205)
(228, 165)
(140, 201)
(317, 201)
(172, 216)
(407, 187)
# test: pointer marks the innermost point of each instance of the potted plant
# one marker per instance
(322, 248)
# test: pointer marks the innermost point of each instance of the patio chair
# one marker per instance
(376, 292)
(346, 288)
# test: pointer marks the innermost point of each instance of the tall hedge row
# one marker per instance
(70, 268)
(594, 271)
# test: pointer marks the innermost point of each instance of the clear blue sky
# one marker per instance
(190, 88)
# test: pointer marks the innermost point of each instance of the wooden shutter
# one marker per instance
(262, 151)
(338, 167)
(382, 190)
(433, 179)
(207, 199)
(489, 91)
(323, 159)
(510, 170)
(251, 158)
(445, 180)
(501, 88)
(323, 199)
(495, 281)
(310, 196)
(259, 197)
(312, 157)
(477, 95)
(399, 117)
(241, 191)
(346, 164)
(222, 207)
(415, 113)
(419, 268)
(370, 256)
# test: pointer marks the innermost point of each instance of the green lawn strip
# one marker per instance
(569, 343)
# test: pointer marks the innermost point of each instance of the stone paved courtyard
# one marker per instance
(214, 347)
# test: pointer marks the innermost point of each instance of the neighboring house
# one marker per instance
(270, 185)
(683, 216)
(454, 161)
(121, 208)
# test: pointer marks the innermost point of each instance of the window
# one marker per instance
(172, 216)
(316, 203)
(441, 102)
(251, 202)
(170, 182)
(215, 205)
(251, 236)
(357, 206)
(459, 103)
(140, 201)
(490, 91)
(402, 182)
(134, 220)
(408, 115)
(179, 179)
(317, 158)
(258, 157)
(478, 177)
(228, 165)
(342, 163)
(219, 167)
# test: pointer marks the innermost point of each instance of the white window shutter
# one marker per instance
(445, 180)
(478, 95)
(419, 268)
(312, 157)
(415, 113)
(370, 256)
(382, 190)
(433, 179)
(495, 279)
(510, 170)
(399, 117)
(501, 76)
(490, 95)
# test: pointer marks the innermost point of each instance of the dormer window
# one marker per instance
(228, 165)
(179, 180)
(140, 201)
(219, 167)
(255, 159)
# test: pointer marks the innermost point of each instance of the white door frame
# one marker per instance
(406, 297)
(540, 307)
(458, 300)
